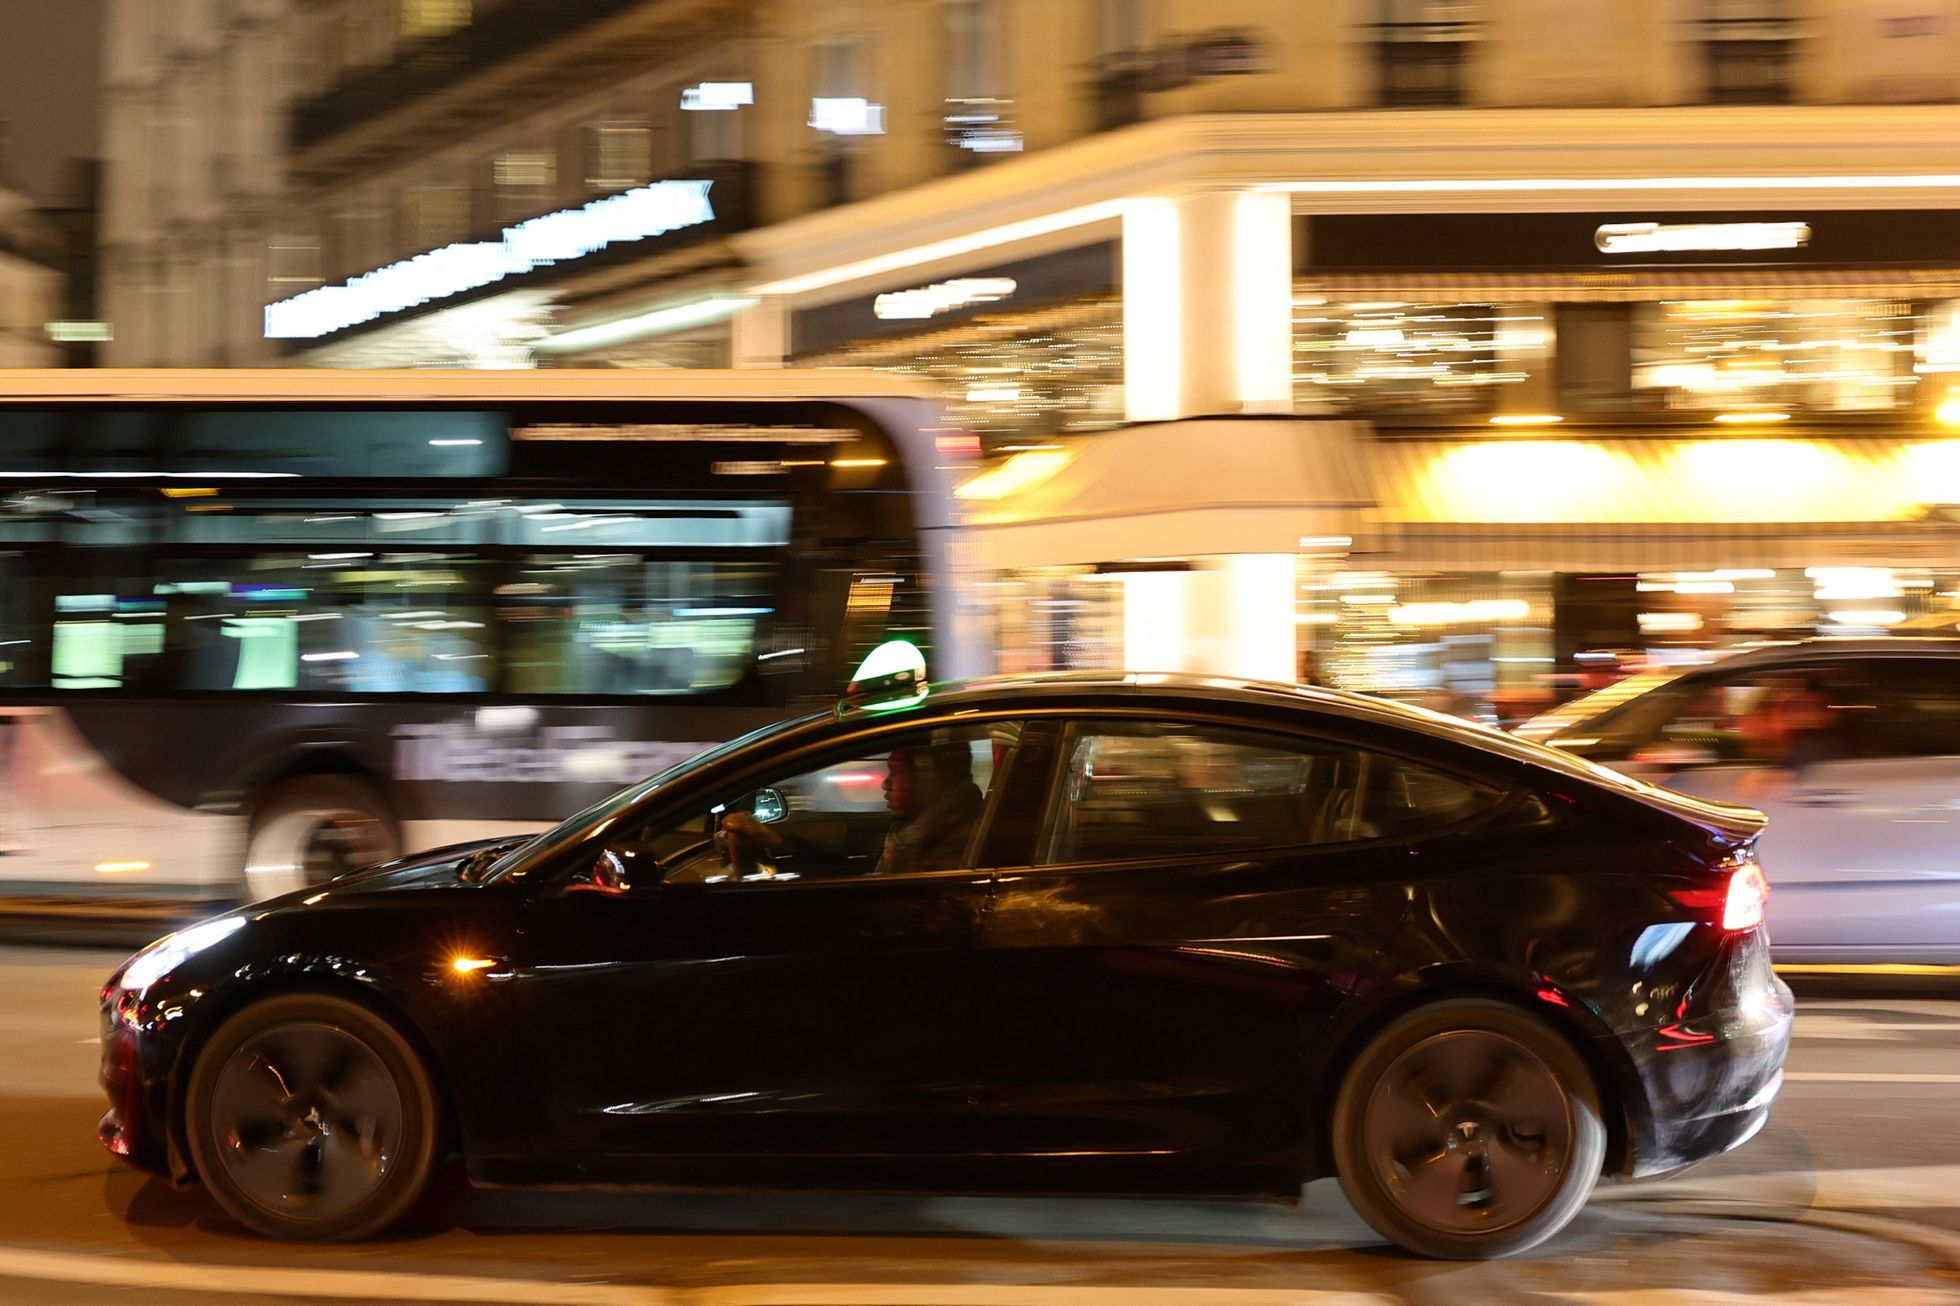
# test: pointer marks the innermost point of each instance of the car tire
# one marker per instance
(310, 1117)
(1468, 1129)
(309, 828)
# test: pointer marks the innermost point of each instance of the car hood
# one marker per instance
(437, 868)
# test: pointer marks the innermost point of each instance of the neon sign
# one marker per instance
(1685, 237)
(637, 214)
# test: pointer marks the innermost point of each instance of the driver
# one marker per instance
(934, 804)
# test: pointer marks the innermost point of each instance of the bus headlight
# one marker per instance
(171, 951)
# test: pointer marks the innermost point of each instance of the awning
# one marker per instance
(1494, 504)
(1196, 488)
(1635, 286)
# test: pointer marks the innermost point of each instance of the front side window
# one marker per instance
(910, 806)
(1144, 790)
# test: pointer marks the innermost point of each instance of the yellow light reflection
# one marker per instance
(1023, 471)
(470, 965)
(121, 868)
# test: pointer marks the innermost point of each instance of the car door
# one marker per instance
(1199, 899)
(819, 1005)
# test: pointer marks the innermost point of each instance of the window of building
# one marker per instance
(526, 181)
(1146, 790)
(434, 215)
(977, 111)
(1748, 48)
(433, 17)
(1124, 30)
(841, 110)
(619, 154)
(715, 136)
(1423, 48)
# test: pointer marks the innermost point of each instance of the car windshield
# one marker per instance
(1590, 707)
(592, 820)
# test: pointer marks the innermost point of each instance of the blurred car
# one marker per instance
(1850, 746)
(1057, 934)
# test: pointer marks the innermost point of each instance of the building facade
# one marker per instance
(30, 289)
(1639, 321)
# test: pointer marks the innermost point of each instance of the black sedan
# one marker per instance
(1097, 934)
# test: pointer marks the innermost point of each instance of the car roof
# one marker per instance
(1090, 690)
(1865, 646)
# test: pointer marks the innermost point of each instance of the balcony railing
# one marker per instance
(512, 28)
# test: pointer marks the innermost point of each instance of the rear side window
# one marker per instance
(1135, 790)
(1916, 708)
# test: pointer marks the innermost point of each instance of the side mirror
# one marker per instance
(770, 806)
(619, 869)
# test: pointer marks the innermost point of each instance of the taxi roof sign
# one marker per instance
(892, 676)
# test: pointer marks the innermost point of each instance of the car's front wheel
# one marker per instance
(1468, 1129)
(311, 1117)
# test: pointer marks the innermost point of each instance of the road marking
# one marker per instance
(354, 1285)
(1866, 1077)
(1864, 1296)
(372, 1285)
(1865, 968)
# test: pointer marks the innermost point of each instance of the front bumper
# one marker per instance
(1709, 1074)
(132, 1126)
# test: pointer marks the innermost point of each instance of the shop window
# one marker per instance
(1423, 48)
(1594, 357)
(1397, 356)
(1748, 49)
(526, 181)
(1822, 355)
(619, 155)
(1146, 790)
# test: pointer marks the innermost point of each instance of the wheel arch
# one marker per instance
(1622, 1101)
(331, 981)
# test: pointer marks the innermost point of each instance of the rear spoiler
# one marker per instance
(1729, 822)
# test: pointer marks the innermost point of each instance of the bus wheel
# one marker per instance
(310, 828)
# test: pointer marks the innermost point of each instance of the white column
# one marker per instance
(759, 333)
(1207, 305)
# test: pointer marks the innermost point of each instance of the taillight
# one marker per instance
(1742, 907)
(1741, 899)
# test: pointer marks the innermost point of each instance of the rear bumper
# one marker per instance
(1708, 1077)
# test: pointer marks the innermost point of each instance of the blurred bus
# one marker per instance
(259, 627)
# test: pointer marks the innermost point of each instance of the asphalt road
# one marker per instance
(1852, 1194)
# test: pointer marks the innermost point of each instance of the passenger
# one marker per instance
(931, 793)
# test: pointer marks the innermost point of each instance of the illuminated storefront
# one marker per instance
(1027, 350)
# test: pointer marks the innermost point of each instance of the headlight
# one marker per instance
(172, 950)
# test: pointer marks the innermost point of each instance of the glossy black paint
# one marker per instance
(1173, 1024)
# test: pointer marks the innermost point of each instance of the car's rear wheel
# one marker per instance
(311, 1117)
(1468, 1129)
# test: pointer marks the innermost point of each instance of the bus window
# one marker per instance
(340, 442)
(624, 624)
(23, 636)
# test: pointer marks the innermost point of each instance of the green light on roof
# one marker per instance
(892, 676)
